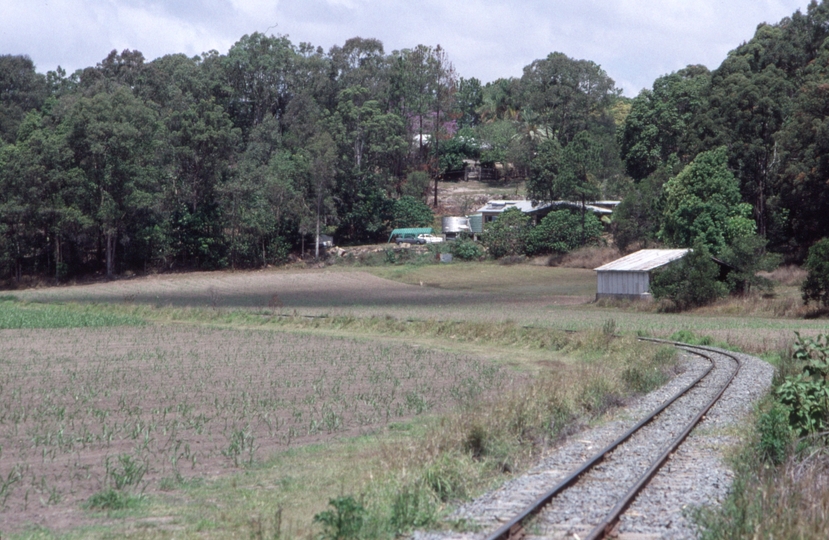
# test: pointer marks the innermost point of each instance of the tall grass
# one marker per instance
(497, 435)
(781, 485)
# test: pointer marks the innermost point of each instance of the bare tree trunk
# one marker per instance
(110, 254)
(317, 243)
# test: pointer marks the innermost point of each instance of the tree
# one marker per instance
(454, 151)
(747, 255)
(689, 282)
(113, 137)
(637, 219)
(567, 174)
(258, 70)
(703, 203)
(663, 122)
(571, 95)
(507, 235)
(411, 212)
(322, 159)
(22, 90)
(468, 99)
(816, 286)
(560, 232)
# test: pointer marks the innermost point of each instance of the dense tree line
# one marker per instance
(237, 159)
(764, 112)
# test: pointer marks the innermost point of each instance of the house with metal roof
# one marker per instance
(630, 276)
(538, 210)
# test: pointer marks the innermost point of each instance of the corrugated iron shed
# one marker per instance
(643, 260)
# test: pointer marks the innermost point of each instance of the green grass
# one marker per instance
(491, 277)
(18, 315)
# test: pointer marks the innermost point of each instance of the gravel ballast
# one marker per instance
(695, 474)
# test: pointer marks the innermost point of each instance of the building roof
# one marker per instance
(528, 207)
(412, 230)
(644, 260)
(501, 206)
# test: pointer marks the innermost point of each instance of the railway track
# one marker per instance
(588, 502)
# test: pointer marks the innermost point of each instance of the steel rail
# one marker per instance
(606, 527)
(513, 528)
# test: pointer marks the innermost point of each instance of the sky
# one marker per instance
(634, 41)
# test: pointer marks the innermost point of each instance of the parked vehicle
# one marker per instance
(419, 239)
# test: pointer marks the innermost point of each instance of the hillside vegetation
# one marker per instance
(239, 159)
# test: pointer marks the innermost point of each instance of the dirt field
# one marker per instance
(558, 298)
(84, 410)
(350, 292)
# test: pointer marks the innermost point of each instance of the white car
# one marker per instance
(428, 239)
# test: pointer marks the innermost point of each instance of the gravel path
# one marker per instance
(695, 475)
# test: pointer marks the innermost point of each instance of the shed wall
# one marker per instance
(627, 284)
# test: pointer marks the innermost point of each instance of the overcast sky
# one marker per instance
(635, 41)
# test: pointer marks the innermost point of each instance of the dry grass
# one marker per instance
(589, 257)
(781, 503)
(789, 275)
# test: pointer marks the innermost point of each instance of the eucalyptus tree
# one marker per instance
(112, 135)
(22, 89)
(664, 121)
(258, 69)
(571, 96)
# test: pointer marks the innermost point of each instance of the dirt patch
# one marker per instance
(85, 410)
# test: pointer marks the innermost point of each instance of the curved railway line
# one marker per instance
(603, 487)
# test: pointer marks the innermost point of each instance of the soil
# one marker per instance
(85, 409)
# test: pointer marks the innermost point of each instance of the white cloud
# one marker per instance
(635, 41)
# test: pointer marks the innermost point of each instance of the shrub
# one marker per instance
(506, 236)
(560, 232)
(466, 250)
(417, 185)
(413, 506)
(690, 282)
(806, 395)
(816, 286)
(344, 522)
(774, 434)
(411, 212)
(111, 499)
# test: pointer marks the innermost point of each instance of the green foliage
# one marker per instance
(417, 185)
(125, 471)
(806, 395)
(506, 236)
(466, 250)
(638, 217)
(689, 282)
(775, 435)
(661, 124)
(463, 145)
(702, 204)
(748, 255)
(411, 212)
(19, 315)
(816, 286)
(686, 336)
(345, 521)
(414, 506)
(111, 499)
(447, 477)
(561, 231)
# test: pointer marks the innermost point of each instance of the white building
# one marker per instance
(630, 276)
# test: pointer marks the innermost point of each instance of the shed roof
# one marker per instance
(412, 230)
(528, 207)
(644, 260)
(501, 206)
